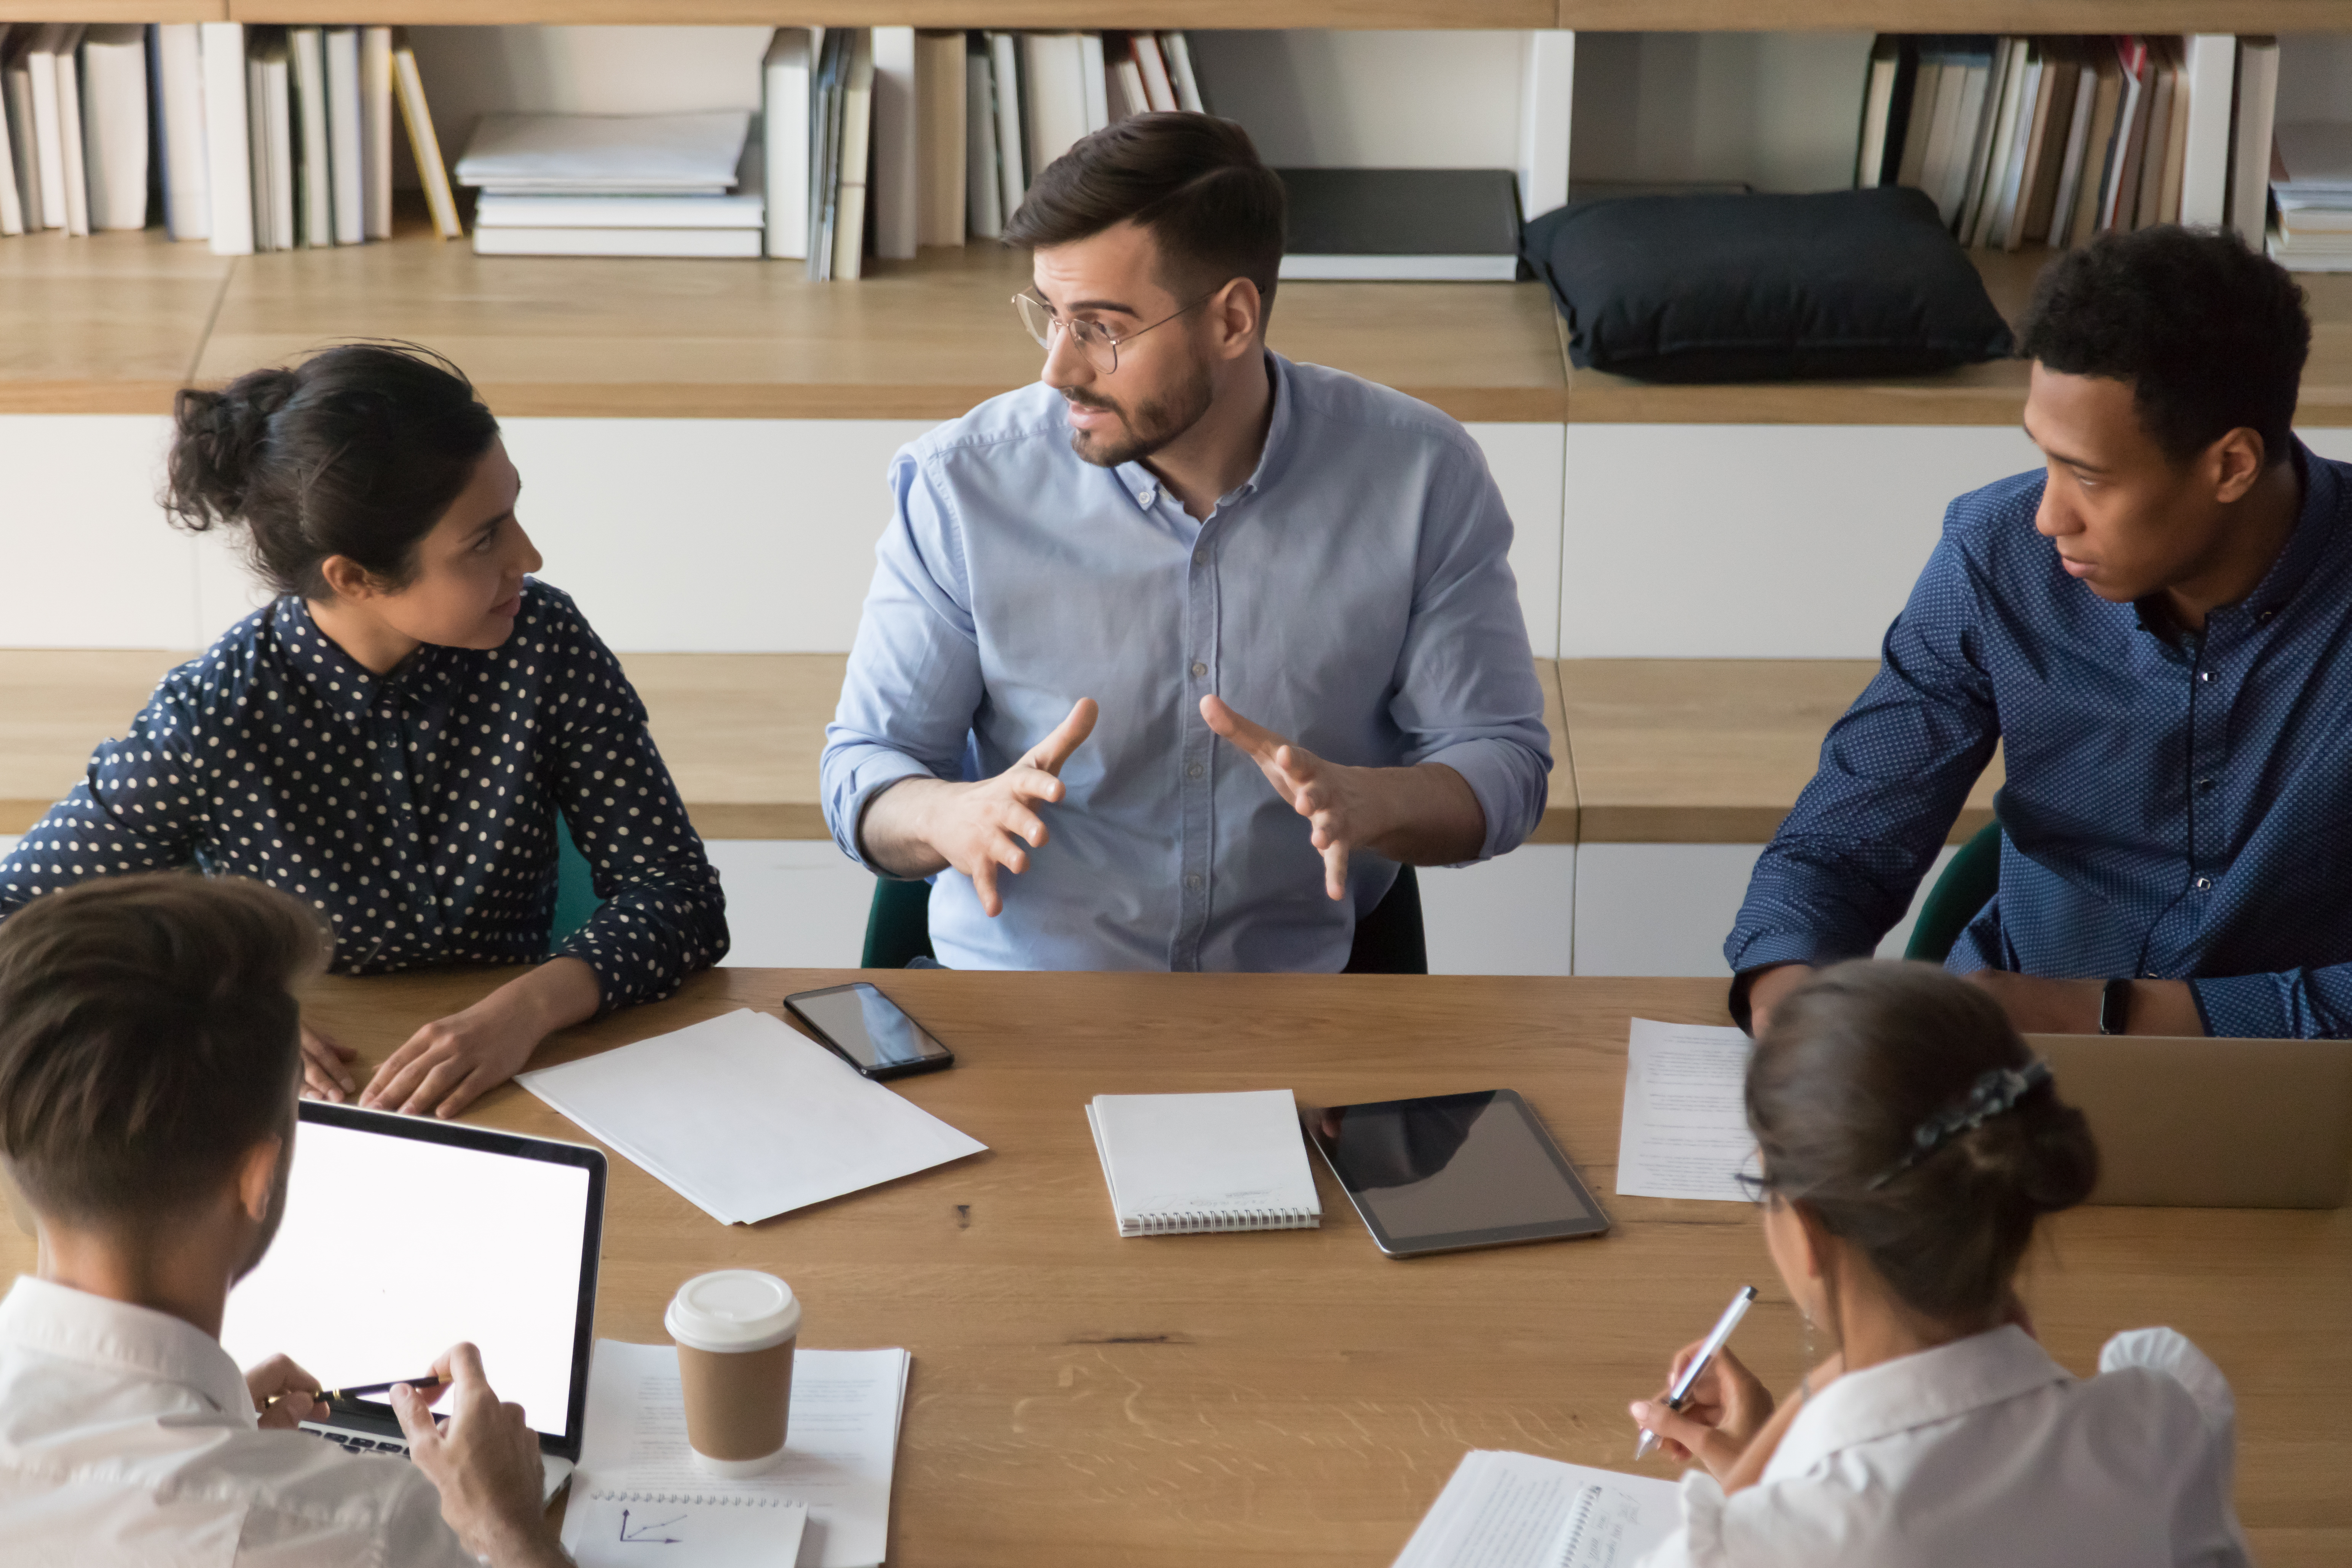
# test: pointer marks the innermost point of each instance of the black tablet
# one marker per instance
(1453, 1171)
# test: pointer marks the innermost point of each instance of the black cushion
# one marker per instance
(1764, 288)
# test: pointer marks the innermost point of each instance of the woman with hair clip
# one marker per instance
(400, 735)
(1910, 1141)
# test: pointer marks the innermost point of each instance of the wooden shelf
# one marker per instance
(119, 11)
(113, 324)
(55, 705)
(1948, 15)
(1057, 14)
(1709, 750)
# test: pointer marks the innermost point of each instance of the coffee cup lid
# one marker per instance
(732, 1309)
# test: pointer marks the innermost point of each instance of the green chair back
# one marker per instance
(1966, 887)
(575, 888)
(1389, 941)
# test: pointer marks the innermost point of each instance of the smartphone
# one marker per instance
(866, 1030)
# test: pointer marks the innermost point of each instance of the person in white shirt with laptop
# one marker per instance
(149, 1067)
(1909, 1142)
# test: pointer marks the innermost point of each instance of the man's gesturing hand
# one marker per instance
(485, 1463)
(977, 827)
(1332, 796)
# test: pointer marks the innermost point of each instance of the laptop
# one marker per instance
(401, 1236)
(2199, 1123)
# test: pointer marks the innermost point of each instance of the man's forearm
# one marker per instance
(1435, 815)
(892, 834)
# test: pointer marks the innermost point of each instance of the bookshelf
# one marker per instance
(1602, 16)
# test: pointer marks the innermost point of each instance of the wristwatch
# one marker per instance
(2115, 1001)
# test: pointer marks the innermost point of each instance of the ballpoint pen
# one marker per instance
(1679, 1395)
(346, 1395)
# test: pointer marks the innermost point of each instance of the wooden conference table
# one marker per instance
(1293, 1397)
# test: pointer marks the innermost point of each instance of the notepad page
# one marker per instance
(1179, 1163)
(1503, 1509)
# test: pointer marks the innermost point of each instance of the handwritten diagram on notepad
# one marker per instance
(1684, 1134)
(621, 1530)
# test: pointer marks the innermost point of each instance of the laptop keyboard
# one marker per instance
(360, 1442)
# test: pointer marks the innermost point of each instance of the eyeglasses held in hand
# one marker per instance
(1094, 340)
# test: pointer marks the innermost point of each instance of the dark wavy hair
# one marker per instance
(2210, 335)
(357, 451)
(1852, 1064)
(1195, 181)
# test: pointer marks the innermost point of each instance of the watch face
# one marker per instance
(2113, 1001)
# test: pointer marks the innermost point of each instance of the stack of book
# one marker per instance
(881, 140)
(2312, 183)
(2053, 140)
(262, 138)
(615, 184)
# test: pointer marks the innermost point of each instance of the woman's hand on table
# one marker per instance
(451, 1062)
(1726, 1409)
(325, 1072)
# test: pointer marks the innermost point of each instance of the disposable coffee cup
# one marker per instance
(735, 1331)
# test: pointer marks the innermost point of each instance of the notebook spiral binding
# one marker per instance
(703, 1499)
(1221, 1219)
(1580, 1516)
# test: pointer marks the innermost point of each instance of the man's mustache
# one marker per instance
(1100, 405)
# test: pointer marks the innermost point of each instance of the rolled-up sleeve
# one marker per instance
(1466, 692)
(1894, 771)
(914, 680)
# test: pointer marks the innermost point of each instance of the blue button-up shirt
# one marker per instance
(2176, 807)
(1353, 596)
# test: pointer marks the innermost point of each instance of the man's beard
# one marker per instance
(1150, 426)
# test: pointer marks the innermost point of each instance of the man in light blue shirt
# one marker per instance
(1195, 642)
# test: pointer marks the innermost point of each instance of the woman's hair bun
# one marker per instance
(216, 439)
(357, 452)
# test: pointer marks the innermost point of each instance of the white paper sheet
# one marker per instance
(1685, 1134)
(607, 151)
(841, 1443)
(746, 1119)
(1503, 1509)
(620, 1529)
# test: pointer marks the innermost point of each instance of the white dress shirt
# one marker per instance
(1986, 1451)
(128, 1437)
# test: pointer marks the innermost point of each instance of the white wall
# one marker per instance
(1665, 908)
(1781, 112)
(1319, 99)
(1756, 540)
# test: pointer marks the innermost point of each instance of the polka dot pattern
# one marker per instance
(417, 811)
(2177, 804)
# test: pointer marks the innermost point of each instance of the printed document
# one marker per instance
(1685, 1129)
(745, 1117)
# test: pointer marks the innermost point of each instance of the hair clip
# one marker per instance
(1994, 1092)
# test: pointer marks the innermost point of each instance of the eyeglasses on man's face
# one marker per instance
(1095, 341)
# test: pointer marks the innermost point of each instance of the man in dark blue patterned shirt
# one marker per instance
(2157, 631)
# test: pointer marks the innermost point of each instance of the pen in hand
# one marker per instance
(1679, 1394)
(345, 1396)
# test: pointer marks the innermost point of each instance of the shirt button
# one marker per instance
(1193, 880)
(2204, 675)
(1199, 669)
(1194, 771)
(2204, 785)
(2204, 884)
(1200, 556)
(1145, 498)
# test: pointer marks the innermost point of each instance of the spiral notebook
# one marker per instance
(1503, 1509)
(1185, 1163)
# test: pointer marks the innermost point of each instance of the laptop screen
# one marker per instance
(404, 1235)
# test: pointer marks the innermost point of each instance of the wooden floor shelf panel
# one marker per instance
(1955, 15)
(112, 324)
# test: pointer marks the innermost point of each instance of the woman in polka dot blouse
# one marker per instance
(395, 737)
